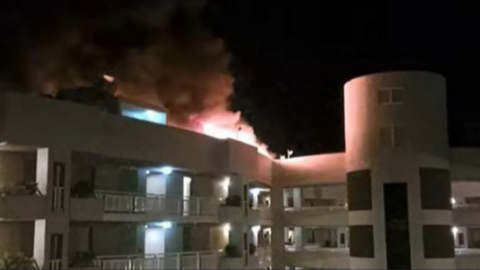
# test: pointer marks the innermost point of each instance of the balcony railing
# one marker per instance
(118, 202)
(55, 264)
(314, 248)
(467, 251)
(316, 208)
(264, 256)
(465, 206)
(186, 260)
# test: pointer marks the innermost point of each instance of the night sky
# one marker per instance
(293, 57)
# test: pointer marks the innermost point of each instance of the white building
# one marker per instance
(129, 192)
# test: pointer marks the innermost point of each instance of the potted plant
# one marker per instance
(84, 260)
(82, 189)
(233, 200)
(232, 251)
(18, 261)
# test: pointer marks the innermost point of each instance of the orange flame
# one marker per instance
(239, 135)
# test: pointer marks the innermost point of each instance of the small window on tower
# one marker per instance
(390, 96)
(383, 97)
(398, 137)
(397, 95)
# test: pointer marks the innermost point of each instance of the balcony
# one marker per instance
(313, 256)
(185, 260)
(317, 216)
(231, 209)
(467, 258)
(119, 206)
(22, 203)
(261, 214)
(262, 258)
(466, 215)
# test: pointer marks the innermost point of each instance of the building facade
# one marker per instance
(85, 188)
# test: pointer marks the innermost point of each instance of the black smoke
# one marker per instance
(156, 50)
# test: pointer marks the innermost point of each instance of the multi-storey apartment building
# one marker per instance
(86, 188)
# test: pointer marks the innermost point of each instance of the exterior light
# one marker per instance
(165, 224)
(150, 114)
(226, 183)
(453, 201)
(147, 171)
(255, 191)
(166, 170)
(256, 229)
(454, 231)
(226, 228)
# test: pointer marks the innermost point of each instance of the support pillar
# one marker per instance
(297, 198)
(278, 228)
(52, 234)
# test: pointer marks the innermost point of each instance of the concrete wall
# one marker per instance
(200, 237)
(90, 130)
(311, 170)
(462, 190)
(17, 237)
(218, 238)
(465, 164)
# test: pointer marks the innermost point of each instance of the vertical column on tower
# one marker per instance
(52, 233)
(398, 172)
(278, 225)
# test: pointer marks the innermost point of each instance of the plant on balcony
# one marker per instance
(233, 200)
(17, 261)
(232, 251)
(32, 188)
(83, 260)
(82, 189)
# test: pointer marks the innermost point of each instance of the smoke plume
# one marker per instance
(157, 51)
(171, 59)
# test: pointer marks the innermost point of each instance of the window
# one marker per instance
(461, 239)
(56, 246)
(392, 137)
(390, 96)
(342, 239)
(58, 199)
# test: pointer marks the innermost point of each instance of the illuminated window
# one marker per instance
(390, 96)
(143, 114)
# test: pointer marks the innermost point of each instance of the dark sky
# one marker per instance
(292, 58)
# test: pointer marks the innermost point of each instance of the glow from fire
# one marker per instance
(241, 133)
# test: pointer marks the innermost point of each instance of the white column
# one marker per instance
(297, 198)
(53, 178)
(298, 238)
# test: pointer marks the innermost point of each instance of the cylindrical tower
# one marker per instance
(398, 172)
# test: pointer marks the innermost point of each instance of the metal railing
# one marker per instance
(313, 248)
(465, 206)
(264, 256)
(316, 208)
(467, 251)
(185, 260)
(55, 264)
(122, 202)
